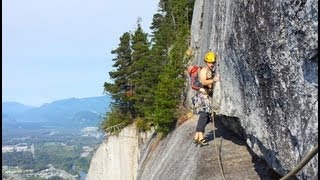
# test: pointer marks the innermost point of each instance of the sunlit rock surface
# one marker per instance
(177, 157)
(268, 63)
(117, 157)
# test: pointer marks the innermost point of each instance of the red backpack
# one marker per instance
(194, 80)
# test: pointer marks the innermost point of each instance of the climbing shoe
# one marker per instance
(203, 142)
(195, 141)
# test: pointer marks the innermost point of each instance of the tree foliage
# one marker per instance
(121, 84)
(22, 159)
(142, 75)
(153, 70)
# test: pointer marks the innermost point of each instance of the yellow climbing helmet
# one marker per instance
(210, 57)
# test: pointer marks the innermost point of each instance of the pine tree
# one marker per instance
(170, 85)
(122, 108)
(121, 86)
(142, 76)
(151, 71)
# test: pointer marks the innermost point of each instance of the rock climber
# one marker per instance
(203, 97)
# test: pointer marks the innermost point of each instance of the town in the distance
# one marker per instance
(54, 141)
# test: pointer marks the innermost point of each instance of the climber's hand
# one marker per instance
(202, 91)
(216, 78)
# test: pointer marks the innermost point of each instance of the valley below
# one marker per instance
(49, 154)
(54, 141)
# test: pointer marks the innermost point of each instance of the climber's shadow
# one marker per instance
(225, 132)
(229, 128)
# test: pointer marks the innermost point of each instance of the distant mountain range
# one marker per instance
(14, 107)
(67, 113)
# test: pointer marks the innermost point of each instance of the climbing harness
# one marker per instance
(304, 161)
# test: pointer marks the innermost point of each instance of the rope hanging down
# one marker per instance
(214, 135)
(218, 150)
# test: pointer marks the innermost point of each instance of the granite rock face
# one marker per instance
(177, 157)
(267, 93)
(268, 64)
(118, 156)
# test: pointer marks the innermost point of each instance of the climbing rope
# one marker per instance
(304, 161)
(218, 150)
(214, 135)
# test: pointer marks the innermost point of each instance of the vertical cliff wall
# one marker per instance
(268, 64)
(268, 94)
(118, 156)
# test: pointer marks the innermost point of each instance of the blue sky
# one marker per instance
(58, 49)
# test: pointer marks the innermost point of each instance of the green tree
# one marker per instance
(142, 75)
(115, 120)
(122, 110)
(121, 85)
(22, 159)
(174, 41)
(153, 70)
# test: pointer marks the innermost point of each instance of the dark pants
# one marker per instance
(204, 119)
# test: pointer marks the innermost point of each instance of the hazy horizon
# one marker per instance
(58, 49)
(55, 100)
